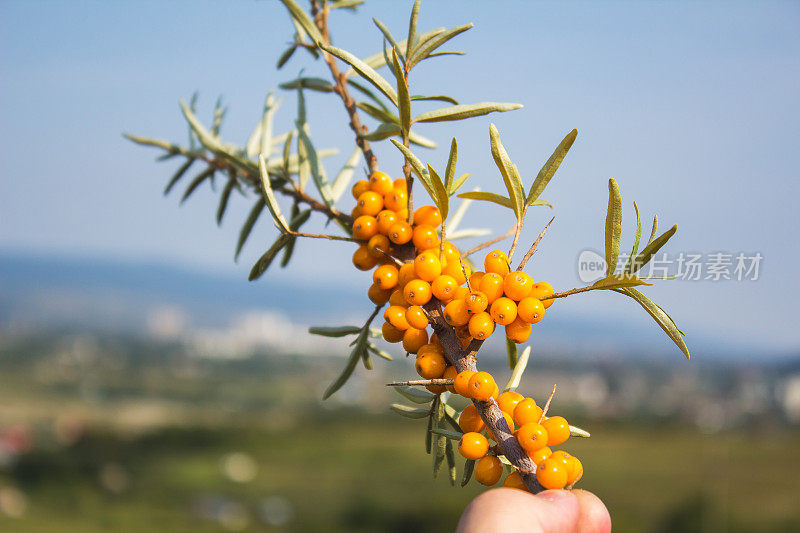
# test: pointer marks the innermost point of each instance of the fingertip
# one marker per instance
(593, 516)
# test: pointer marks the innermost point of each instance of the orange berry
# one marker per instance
(461, 293)
(381, 183)
(497, 262)
(436, 342)
(454, 270)
(416, 317)
(377, 295)
(391, 333)
(517, 285)
(414, 339)
(496, 391)
(508, 401)
(540, 455)
(396, 315)
(364, 227)
(359, 187)
(396, 200)
(504, 311)
(425, 237)
(428, 215)
(400, 184)
(481, 386)
(406, 273)
(475, 279)
(450, 373)
(518, 331)
(385, 276)
(540, 290)
(385, 220)
(461, 384)
(402, 214)
(470, 420)
(574, 470)
(527, 412)
(370, 203)
(377, 243)
(473, 445)
(456, 313)
(510, 423)
(436, 389)
(355, 213)
(400, 232)
(492, 286)
(532, 436)
(398, 298)
(451, 252)
(417, 292)
(431, 347)
(514, 481)
(557, 430)
(427, 266)
(551, 474)
(430, 365)
(363, 259)
(444, 288)
(476, 302)
(530, 310)
(481, 326)
(488, 470)
(561, 456)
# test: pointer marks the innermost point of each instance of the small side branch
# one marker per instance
(422, 382)
(533, 246)
(480, 247)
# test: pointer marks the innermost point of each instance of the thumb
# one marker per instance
(500, 510)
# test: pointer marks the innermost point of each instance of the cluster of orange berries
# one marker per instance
(535, 433)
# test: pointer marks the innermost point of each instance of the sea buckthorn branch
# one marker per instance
(490, 242)
(533, 247)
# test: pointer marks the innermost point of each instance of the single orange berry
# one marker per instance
(475, 279)
(454, 270)
(377, 295)
(531, 310)
(456, 313)
(406, 273)
(444, 288)
(540, 455)
(355, 213)
(473, 445)
(557, 430)
(431, 348)
(461, 293)
(430, 365)
(425, 237)
(365, 227)
(508, 401)
(497, 262)
(396, 200)
(417, 292)
(541, 290)
(416, 317)
(398, 298)
(514, 481)
(381, 183)
(517, 285)
(400, 232)
(481, 386)
(551, 474)
(391, 333)
(413, 339)
(436, 342)
(476, 302)
(574, 470)
(377, 243)
(532, 436)
(481, 326)
(527, 412)
(488, 470)
(436, 389)
(363, 259)
(451, 253)
(492, 286)
(450, 373)
(427, 266)
(496, 391)
(461, 384)
(518, 331)
(370, 203)
(504, 311)
(510, 423)
(400, 184)
(385, 276)
(470, 420)
(360, 187)
(561, 456)
(402, 214)
(396, 315)
(385, 220)
(428, 215)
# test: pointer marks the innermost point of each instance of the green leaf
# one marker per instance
(460, 112)
(380, 353)
(369, 94)
(635, 249)
(413, 35)
(428, 434)
(260, 141)
(660, 316)
(508, 171)
(197, 181)
(542, 202)
(265, 260)
(450, 170)
(451, 461)
(178, 175)
(302, 18)
(408, 412)
(386, 130)
(575, 431)
(285, 56)
(438, 98)
(519, 369)
(613, 226)
(441, 198)
(447, 433)
(364, 70)
(314, 84)
(654, 246)
(255, 212)
(272, 204)
(219, 114)
(345, 175)
(498, 199)
(225, 196)
(618, 281)
(469, 466)
(346, 4)
(426, 48)
(513, 355)
(378, 60)
(298, 219)
(340, 331)
(439, 442)
(458, 183)
(388, 35)
(439, 54)
(549, 168)
(317, 170)
(654, 230)
(415, 395)
(352, 361)
(416, 166)
(378, 113)
(403, 99)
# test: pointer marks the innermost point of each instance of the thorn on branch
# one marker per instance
(480, 247)
(533, 246)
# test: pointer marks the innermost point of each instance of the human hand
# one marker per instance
(551, 511)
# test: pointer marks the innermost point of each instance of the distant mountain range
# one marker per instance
(91, 294)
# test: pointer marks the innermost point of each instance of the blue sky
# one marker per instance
(693, 107)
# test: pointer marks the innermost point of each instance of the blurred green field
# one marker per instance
(345, 470)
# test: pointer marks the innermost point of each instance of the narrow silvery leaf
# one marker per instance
(388, 35)
(380, 353)
(415, 395)
(450, 170)
(441, 197)
(451, 462)
(285, 56)
(265, 260)
(317, 170)
(260, 141)
(340, 331)
(458, 183)
(613, 226)
(346, 4)
(352, 361)
(255, 212)
(403, 99)
(193, 108)
(297, 221)
(460, 112)
(539, 201)
(416, 166)
(408, 412)
(272, 204)
(506, 168)
(386, 130)
(178, 175)
(469, 466)
(660, 316)
(378, 113)
(447, 433)
(635, 249)
(203, 176)
(650, 250)
(575, 431)
(413, 35)
(549, 168)
(618, 281)
(345, 175)
(224, 197)
(467, 233)
(369, 94)
(498, 199)
(378, 60)
(302, 18)
(438, 98)
(314, 84)
(513, 355)
(219, 115)
(440, 54)
(654, 230)
(166, 145)
(519, 369)
(426, 48)
(364, 70)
